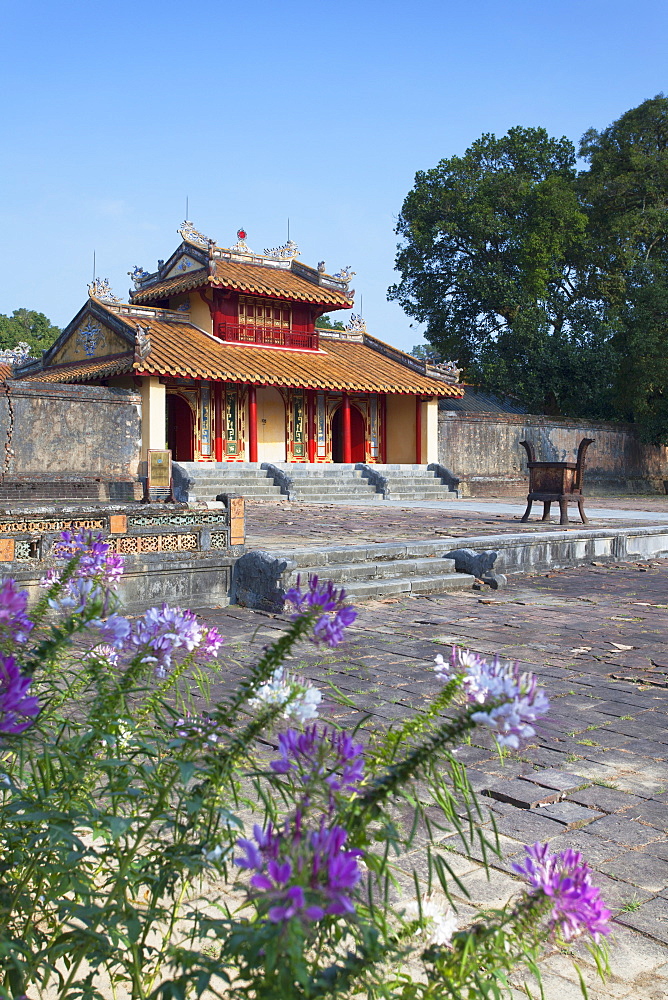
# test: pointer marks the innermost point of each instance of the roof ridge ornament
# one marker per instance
(241, 246)
(99, 288)
(138, 274)
(142, 341)
(16, 355)
(288, 251)
(345, 274)
(356, 324)
(193, 236)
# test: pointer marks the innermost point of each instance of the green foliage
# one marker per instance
(30, 327)
(625, 191)
(548, 285)
(325, 323)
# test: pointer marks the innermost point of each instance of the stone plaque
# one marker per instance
(6, 549)
(118, 524)
(236, 513)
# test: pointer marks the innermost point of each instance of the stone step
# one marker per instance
(214, 481)
(358, 572)
(315, 468)
(409, 585)
(250, 475)
(211, 492)
(420, 494)
(330, 489)
(351, 499)
(331, 555)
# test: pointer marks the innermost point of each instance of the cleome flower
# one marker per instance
(327, 605)
(299, 698)
(300, 874)
(163, 632)
(325, 754)
(96, 576)
(437, 925)
(565, 878)
(15, 625)
(17, 708)
(510, 701)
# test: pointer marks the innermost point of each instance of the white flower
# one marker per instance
(300, 698)
(437, 924)
(215, 855)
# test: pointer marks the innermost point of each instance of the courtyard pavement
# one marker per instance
(596, 776)
(279, 524)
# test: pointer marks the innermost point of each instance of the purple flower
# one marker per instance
(114, 630)
(325, 602)
(17, 708)
(566, 879)
(96, 574)
(161, 632)
(299, 875)
(95, 561)
(14, 623)
(510, 701)
(326, 754)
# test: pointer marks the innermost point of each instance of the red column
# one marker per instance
(218, 422)
(345, 429)
(418, 430)
(310, 424)
(252, 424)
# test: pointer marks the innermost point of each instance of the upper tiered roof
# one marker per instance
(199, 262)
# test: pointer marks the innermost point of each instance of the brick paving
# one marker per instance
(280, 524)
(595, 778)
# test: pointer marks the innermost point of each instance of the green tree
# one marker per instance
(31, 327)
(494, 259)
(325, 323)
(625, 193)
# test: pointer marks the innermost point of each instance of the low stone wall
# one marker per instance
(175, 554)
(483, 451)
(53, 436)
(541, 551)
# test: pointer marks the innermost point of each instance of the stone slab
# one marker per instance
(553, 778)
(523, 794)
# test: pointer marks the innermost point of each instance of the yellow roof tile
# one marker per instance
(179, 349)
(249, 279)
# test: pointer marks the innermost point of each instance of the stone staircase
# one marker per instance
(412, 482)
(320, 483)
(262, 577)
(206, 480)
(312, 483)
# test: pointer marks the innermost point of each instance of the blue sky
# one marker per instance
(114, 113)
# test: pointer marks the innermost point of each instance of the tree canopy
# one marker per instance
(546, 283)
(28, 326)
(325, 323)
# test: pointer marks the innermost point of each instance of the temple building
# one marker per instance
(224, 348)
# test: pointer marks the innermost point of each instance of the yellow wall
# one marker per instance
(107, 342)
(199, 311)
(400, 429)
(270, 435)
(153, 414)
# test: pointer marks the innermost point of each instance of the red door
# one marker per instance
(357, 440)
(357, 436)
(180, 436)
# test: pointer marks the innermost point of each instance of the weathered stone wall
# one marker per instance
(483, 450)
(49, 430)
